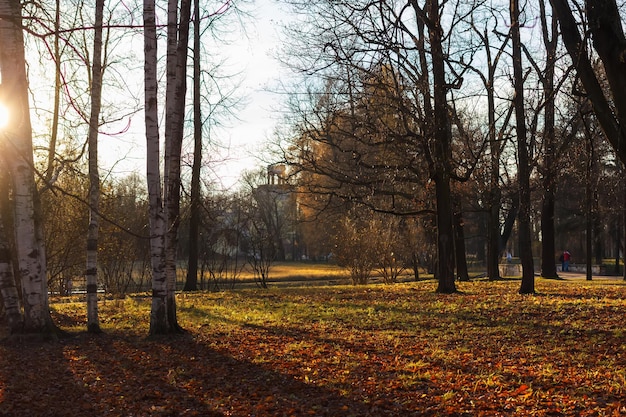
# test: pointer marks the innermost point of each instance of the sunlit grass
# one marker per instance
(487, 345)
(299, 271)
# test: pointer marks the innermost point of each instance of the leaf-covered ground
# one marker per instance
(398, 350)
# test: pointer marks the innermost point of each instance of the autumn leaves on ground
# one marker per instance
(335, 351)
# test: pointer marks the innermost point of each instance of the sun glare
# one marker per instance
(4, 116)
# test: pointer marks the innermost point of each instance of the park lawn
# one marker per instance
(301, 272)
(336, 351)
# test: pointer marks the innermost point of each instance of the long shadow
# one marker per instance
(179, 376)
(36, 380)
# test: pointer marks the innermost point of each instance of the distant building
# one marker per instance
(278, 204)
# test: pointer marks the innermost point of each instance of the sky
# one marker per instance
(246, 134)
(256, 122)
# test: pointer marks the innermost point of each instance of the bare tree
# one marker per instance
(353, 247)
(399, 56)
(213, 101)
(191, 283)
(603, 19)
(497, 127)
(524, 166)
(550, 40)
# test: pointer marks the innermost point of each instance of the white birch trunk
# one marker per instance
(8, 289)
(18, 150)
(158, 313)
(170, 195)
(178, 36)
(164, 214)
(91, 273)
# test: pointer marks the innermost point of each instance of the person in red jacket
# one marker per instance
(565, 259)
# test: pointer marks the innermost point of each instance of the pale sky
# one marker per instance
(255, 123)
(258, 119)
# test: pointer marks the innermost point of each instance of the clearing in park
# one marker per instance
(335, 350)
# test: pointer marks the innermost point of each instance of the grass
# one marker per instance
(375, 350)
(301, 272)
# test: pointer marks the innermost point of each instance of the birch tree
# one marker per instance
(158, 313)
(164, 212)
(177, 49)
(91, 272)
(8, 289)
(17, 149)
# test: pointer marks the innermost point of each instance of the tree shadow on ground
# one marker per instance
(119, 375)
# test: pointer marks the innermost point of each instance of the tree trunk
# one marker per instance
(178, 37)
(459, 247)
(158, 312)
(525, 240)
(548, 249)
(509, 222)
(608, 39)
(8, 288)
(589, 211)
(191, 283)
(618, 238)
(54, 131)
(589, 245)
(416, 264)
(441, 155)
(91, 273)
(495, 150)
(18, 151)
(624, 224)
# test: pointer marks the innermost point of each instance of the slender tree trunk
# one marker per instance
(548, 249)
(158, 312)
(57, 93)
(618, 237)
(624, 224)
(493, 224)
(91, 274)
(175, 107)
(495, 194)
(589, 222)
(598, 244)
(416, 265)
(509, 222)
(170, 197)
(589, 212)
(589, 245)
(494, 250)
(191, 284)
(525, 239)
(459, 247)
(18, 150)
